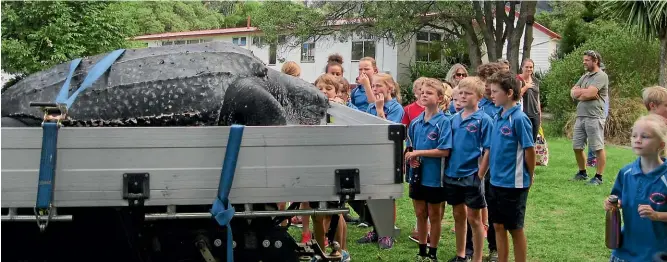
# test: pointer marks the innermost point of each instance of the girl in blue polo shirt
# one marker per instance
(386, 106)
(512, 166)
(430, 136)
(641, 187)
(362, 95)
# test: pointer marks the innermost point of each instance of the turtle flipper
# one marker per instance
(247, 102)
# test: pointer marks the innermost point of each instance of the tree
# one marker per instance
(37, 35)
(399, 21)
(649, 18)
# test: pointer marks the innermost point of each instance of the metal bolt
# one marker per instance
(217, 242)
(347, 179)
(266, 243)
(124, 175)
(278, 244)
(233, 244)
(146, 175)
(136, 202)
(337, 171)
(136, 183)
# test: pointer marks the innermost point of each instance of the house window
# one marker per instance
(240, 41)
(164, 43)
(361, 49)
(196, 41)
(258, 40)
(273, 54)
(179, 42)
(308, 52)
(428, 50)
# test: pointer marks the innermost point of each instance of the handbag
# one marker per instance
(541, 149)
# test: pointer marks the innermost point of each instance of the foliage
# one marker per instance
(629, 71)
(421, 69)
(623, 112)
(563, 12)
(37, 35)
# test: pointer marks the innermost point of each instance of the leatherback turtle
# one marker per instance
(214, 83)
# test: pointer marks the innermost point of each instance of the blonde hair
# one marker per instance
(328, 80)
(447, 96)
(388, 80)
(372, 60)
(474, 84)
(452, 72)
(654, 94)
(657, 124)
(418, 83)
(291, 68)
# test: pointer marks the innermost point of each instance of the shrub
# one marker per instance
(622, 114)
(629, 70)
(421, 69)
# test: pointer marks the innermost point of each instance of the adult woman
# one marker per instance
(454, 75)
(530, 93)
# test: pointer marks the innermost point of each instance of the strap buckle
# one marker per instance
(53, 112)
(42, 224)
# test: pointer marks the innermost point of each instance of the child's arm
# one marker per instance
(429, 153)
(486, 129)
(529, 154)
(524, 131)
(646, 211)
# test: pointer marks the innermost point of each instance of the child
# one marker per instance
(483, 72)
(512, 166)
(471, 136)
(291, 68)
(446, 101)
(655, 100)
(430, 136)
(415, 109)
(334, 65)
(455, 105)
(329, 85)
(344, 91)
(362, 95)
(641, 187)
(385, 105)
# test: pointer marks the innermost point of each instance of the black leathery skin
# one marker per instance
(171, 86)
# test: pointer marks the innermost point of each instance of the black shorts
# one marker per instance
(468, 190)
(432, 195)
(507, 206)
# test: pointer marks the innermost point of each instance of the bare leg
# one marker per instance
(422, 218)
(520, 244)
(602, 160)
(305, 220)
(485, 216)
(434, 216)
(282, 206)
(319, 229)
(341, 233)
(475, 220)
(502, 242)
(581, 158)
(460, 224)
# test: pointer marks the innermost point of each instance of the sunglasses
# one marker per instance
(592, 54)
(459, 74)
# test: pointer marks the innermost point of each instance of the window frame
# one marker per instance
(310, 50)
(240, 41)
(428, 43)
(363, 49)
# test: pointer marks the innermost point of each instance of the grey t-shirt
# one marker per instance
(593, 108)
(531, 99)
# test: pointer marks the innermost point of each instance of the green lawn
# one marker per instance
(564, 219)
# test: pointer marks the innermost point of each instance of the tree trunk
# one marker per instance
(483, 16)
(500, 27)
(509, 28)
(515, 38)
(475, 54)
(663, 58)
(528, 35)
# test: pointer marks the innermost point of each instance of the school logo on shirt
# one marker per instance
(472, 128)
(433, 136)
(658, 198)
(506, 130)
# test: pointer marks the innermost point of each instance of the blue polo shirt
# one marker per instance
(642, 237)
(470, 137)
(359, 99)
(512, 134)
(392, 110)
(452, 108)
(426, 135)
(488, 107)
(350, 105)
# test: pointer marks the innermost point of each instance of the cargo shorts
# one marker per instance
(588, 130)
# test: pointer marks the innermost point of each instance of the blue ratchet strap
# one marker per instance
(222, 210)
(50, 127)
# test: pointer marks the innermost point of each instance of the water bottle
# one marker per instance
(612, 234)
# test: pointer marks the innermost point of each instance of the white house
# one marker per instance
(312, 56)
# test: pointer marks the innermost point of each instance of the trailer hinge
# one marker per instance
(347, 184)
(136, 188)
(397, 134)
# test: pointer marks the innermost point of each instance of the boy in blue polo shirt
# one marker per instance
(431, 139)
(471, 135)
(485, 71)
(512, 166)
(641, 188)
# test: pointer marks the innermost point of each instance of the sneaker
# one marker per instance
(580, 176)
(591, 162)
(305, 237)
(386, 242)
(370, 237)
(345, 256)
(350, 220)
(595, 181)
(362, 224)
(415, 237)
(432, 259)
(460, 259)
(493, 256)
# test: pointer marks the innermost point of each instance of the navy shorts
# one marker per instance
(468, 190)
(432, 195)
(507, 206)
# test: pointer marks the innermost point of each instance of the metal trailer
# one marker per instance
(145, 193)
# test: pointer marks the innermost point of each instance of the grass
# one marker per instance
(564, 219)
